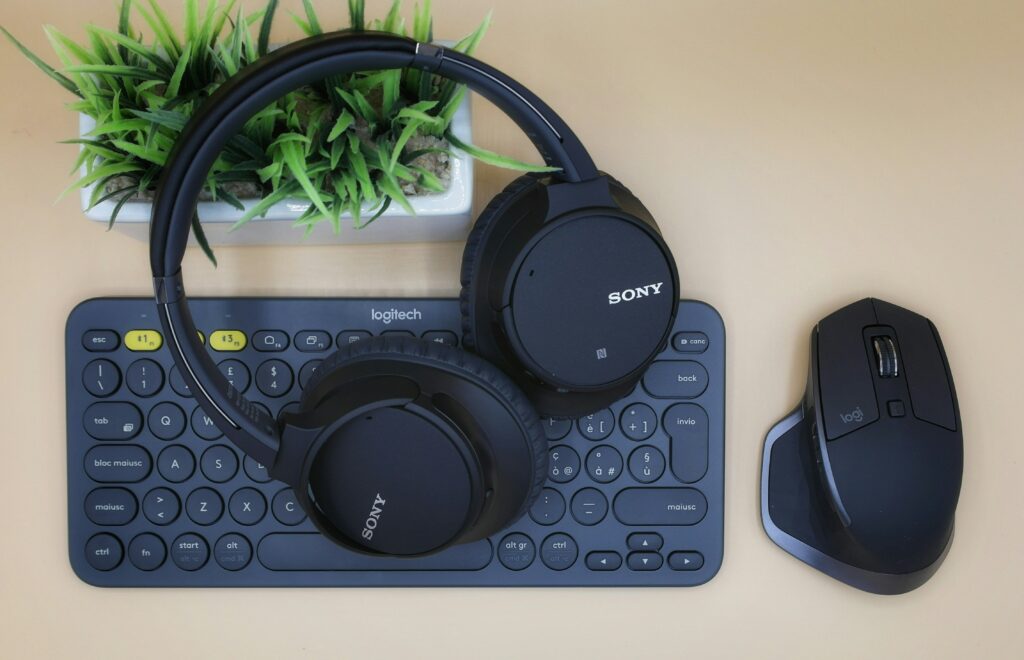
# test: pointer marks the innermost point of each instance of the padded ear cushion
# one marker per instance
(471, 366)
(477, 237)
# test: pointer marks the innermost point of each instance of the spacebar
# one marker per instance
(313, 552)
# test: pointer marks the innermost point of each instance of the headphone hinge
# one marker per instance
(427, 57)
(168, 290)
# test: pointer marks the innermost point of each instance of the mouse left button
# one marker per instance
(846, 388)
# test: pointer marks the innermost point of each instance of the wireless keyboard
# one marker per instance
(158, 498)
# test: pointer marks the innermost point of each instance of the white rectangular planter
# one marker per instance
(443, 216)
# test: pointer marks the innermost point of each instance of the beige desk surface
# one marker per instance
(799, 155)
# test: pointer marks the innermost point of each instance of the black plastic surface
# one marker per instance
(873, 502)
(281, 548)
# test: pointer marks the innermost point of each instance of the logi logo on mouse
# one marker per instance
(855, 415)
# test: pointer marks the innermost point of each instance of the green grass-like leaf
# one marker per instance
(64, 81)
(341, 144)
(491, 158)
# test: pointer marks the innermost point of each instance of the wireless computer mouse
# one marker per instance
(862, 480)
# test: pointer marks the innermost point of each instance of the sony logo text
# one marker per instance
(615, 297)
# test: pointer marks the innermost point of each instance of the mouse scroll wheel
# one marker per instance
(885, 351)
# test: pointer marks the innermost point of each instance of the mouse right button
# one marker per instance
(844, 373)
(924, 363)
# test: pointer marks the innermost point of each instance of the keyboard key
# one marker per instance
(676, 379)
(445, 337)
(604, 464)
(548, 508)
(286, 508)
(203, 426)
(175, 464)
(204, 506)
(247, 506)
(257, 471)
(644, 541)
(597, 426)
(112, 420)
(313, 552)
(556, 429)
(218, 464)
(111, 506)
(563, 464)
(690, 342)
(166, 420)
(144, 378)
(189, 552)
(397, 333)
(103, 552)
(228, 340)
(646, 464)
(117, 463)
(516, 551)
(638, 421)
(101, 378)
(100, 341)
(559, 552)
(589, 506)
(687, 427)
(232, 552)
(685, 561)
(644, 561)
(178, 383)
(310, 341)
(274, 378)
(307, 371)
(143, 340)
(161, 506)
(346, 337)
(270, 341)
(660, 506)
(236, 373)
(604, 560)
(147, 552)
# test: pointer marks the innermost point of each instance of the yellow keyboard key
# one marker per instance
(227, 340)
(143, 340)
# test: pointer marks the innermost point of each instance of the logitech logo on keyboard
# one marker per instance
(388, 315)
(615, 297)
(373, 519)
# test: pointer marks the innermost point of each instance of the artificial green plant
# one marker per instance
(348, 144)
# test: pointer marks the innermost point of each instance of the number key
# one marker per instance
(274, 378)
(144, 377)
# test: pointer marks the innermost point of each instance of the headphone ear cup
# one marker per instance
(474, 242)
(467, 365)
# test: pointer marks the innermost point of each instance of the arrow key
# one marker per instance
(649, 541)
(685, 561)
(644, 561)
(604, 560)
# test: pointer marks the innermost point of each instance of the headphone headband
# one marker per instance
(223, 115)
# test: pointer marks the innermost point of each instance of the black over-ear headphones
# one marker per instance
(404, 447)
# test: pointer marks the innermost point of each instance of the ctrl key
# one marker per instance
(103, 552)
(189, 552)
